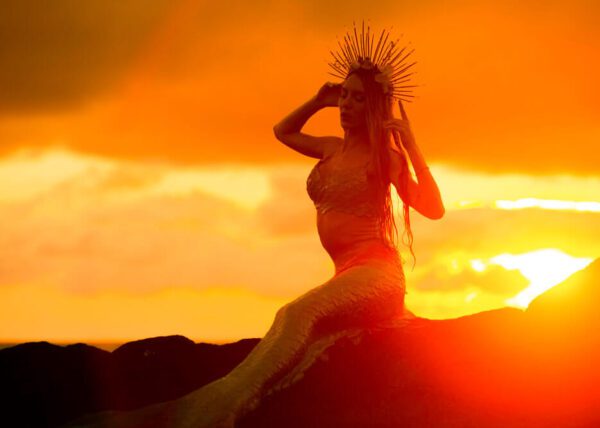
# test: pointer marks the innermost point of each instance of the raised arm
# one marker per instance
(288, 130)
(424, 194)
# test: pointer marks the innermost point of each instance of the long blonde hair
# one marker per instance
(379, 109)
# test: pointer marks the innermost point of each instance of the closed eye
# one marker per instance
(358, 96)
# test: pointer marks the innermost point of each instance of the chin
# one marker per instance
(347, 125)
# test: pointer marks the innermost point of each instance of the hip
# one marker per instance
(374, 255)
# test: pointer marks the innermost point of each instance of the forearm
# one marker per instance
(416, 157)
(429, 192)
(294, 121)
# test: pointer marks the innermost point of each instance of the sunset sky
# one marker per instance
(143, 193)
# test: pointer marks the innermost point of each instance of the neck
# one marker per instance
(356, 138)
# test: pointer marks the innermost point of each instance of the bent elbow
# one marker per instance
(280, 135)
(439, 214)
(276, 132)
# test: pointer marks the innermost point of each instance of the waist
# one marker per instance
(339, 229)
(365, 252)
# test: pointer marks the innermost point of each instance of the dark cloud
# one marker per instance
(215, 77)
(55, 54)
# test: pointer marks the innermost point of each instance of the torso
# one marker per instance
(344, 221)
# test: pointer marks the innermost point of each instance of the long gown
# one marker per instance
(367, 289)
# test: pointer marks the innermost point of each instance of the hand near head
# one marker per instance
(402, 126)
(329, 94)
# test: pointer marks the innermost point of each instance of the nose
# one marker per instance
(345, 104)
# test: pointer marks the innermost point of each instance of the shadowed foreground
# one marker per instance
(498, 368)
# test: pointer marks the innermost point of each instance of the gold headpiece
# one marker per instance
(387, 61)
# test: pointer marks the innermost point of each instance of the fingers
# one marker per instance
(402, 111)
(331, 86)
(397, 124)
(397, 144)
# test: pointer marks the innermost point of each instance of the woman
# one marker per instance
(350, 186)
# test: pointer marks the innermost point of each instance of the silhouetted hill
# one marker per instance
(576, 298)
(504, 367)
(45, 385)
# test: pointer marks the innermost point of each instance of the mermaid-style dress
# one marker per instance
(367, 289)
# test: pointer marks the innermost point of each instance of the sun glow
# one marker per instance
(117, 194)
(477, 265)
(543, 268)
(247, 187)
(548, 204)
(519, 204)
(30, 174)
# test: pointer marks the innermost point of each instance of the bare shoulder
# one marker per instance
(331, 145)
(309, 145)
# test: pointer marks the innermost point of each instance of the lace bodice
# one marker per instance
(342, 188)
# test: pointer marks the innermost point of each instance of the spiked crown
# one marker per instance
(387, 61)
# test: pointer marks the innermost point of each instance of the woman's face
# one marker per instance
(352, 103)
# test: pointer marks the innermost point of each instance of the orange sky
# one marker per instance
(143, 192)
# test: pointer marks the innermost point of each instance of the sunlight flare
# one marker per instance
(543, 268)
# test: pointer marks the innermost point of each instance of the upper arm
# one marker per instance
(309, 145)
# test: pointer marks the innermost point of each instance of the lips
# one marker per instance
(345, 116)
